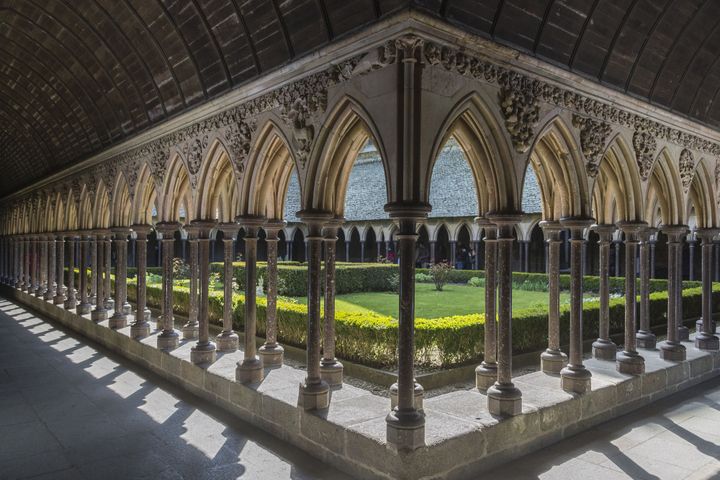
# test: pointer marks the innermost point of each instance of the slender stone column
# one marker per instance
(50, 268)
(362, 251)
(652, 242)
(716, 245)
(553, 360)
(18, 261)
(94, 245)
(190, 329)
(250, 369)
(71, 300)
(645, 337)
(32, 259)
(141, 326)
(629, 361)
(41, 266)
(453, 253)
(683, 331)
(100, 313)
(331, 370)
(347, 249)
(107, 289)
(706, 338)
(691, 256)
(288, 249)
(575, 377)
(271, 352)
(486, 372)
(617, 244)
(122, 307)
(228, 340)
(204, 350)
(603, 348)
(28, 286)
(476, 264)
(406, 420)
(60, 290)
(504, 398)
(314, 391)
(169, 339)
(432, 252)
(84, 307)
(672, 349)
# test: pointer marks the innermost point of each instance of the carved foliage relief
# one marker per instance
(687, 168)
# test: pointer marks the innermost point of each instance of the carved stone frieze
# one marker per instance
(239, 139)
(645, 146)
(593, 136)
(687, 168)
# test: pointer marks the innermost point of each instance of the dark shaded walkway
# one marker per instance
(71, 410)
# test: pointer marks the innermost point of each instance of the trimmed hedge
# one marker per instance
(371, 339)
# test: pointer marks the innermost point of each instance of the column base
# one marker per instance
(683, 333)
(84, 309)
(418, 396)
(314, 396)
(70, 304)
(604, 350)
(127, 308)
(109, 304)
(504, 400)
(485, 376)
(552, 361)
(59, 299)
(699, 326)
(646, 339)
(332, 372)
(575, 379)
(190, 331)
(272, 355)
(49, 295)
(227, 342)
(249, 370)
(631, 363)
(98, 315)
(673, 352)
(93, 300)
(139, 330)
(168, 340)
(405, 430)
(706, 341)
(118, 320)
(206, 353)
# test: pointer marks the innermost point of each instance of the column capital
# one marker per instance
(414, 211)
(142, 230)
(632, 230)
(315, 220)
(605, 231)
(551, 229)
(505, 223)
(251, 224)
(120, 233)
(200, 229)
(646, 235)
(101, 233)
(167, 229)
(330, 229)
(229, 229)
(707, 234)
(272, 228)
(576, 226)
(675, 233)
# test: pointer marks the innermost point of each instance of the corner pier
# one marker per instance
(461, 437)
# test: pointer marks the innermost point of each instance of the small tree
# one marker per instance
(440, 273)
(181, 270)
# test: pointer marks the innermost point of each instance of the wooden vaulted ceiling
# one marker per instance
(78, 76)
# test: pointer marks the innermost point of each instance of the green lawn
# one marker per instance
(429, 303)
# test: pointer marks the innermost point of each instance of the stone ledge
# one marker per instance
(462, 438)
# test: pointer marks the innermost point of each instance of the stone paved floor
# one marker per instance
(68, 410)
(675, 438)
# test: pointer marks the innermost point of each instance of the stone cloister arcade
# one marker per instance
(611, 170)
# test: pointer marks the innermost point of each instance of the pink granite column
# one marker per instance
(190, 329)
(204, 351)
(141, 326)
(672, 349)
(645, 337)
(331, 370)
(486, 372)
(71, 300)
(122, 307)
(271, 352)
(629, 360)
(228, 340)
(100, 312)
(553, 360)
(250, 369)
(706, 338)
(60, 289)
(575, 377)
(84, 307)
(168, 339)
(603, 348)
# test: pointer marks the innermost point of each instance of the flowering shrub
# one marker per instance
(440, 273)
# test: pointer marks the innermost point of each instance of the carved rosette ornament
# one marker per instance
(593, 135)
(645, 146)
(520, 108)
(687, 168)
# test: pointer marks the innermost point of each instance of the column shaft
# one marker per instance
(84, 306)
(552, 360)
(141, 327)
(486, 372)
(204, 350)
(330, 369)
(228, 340)
(603, 348)
(190, 329)
(706, 338)
(645, 337)
(672, 349)
(119, 317)
(271, 352)
(629, 361)
(250, 370)
(71, 301)
(100, 313)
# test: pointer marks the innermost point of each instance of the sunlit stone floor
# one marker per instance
(675, 438)
(68, 410)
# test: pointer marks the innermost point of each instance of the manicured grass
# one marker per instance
(429, 303)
